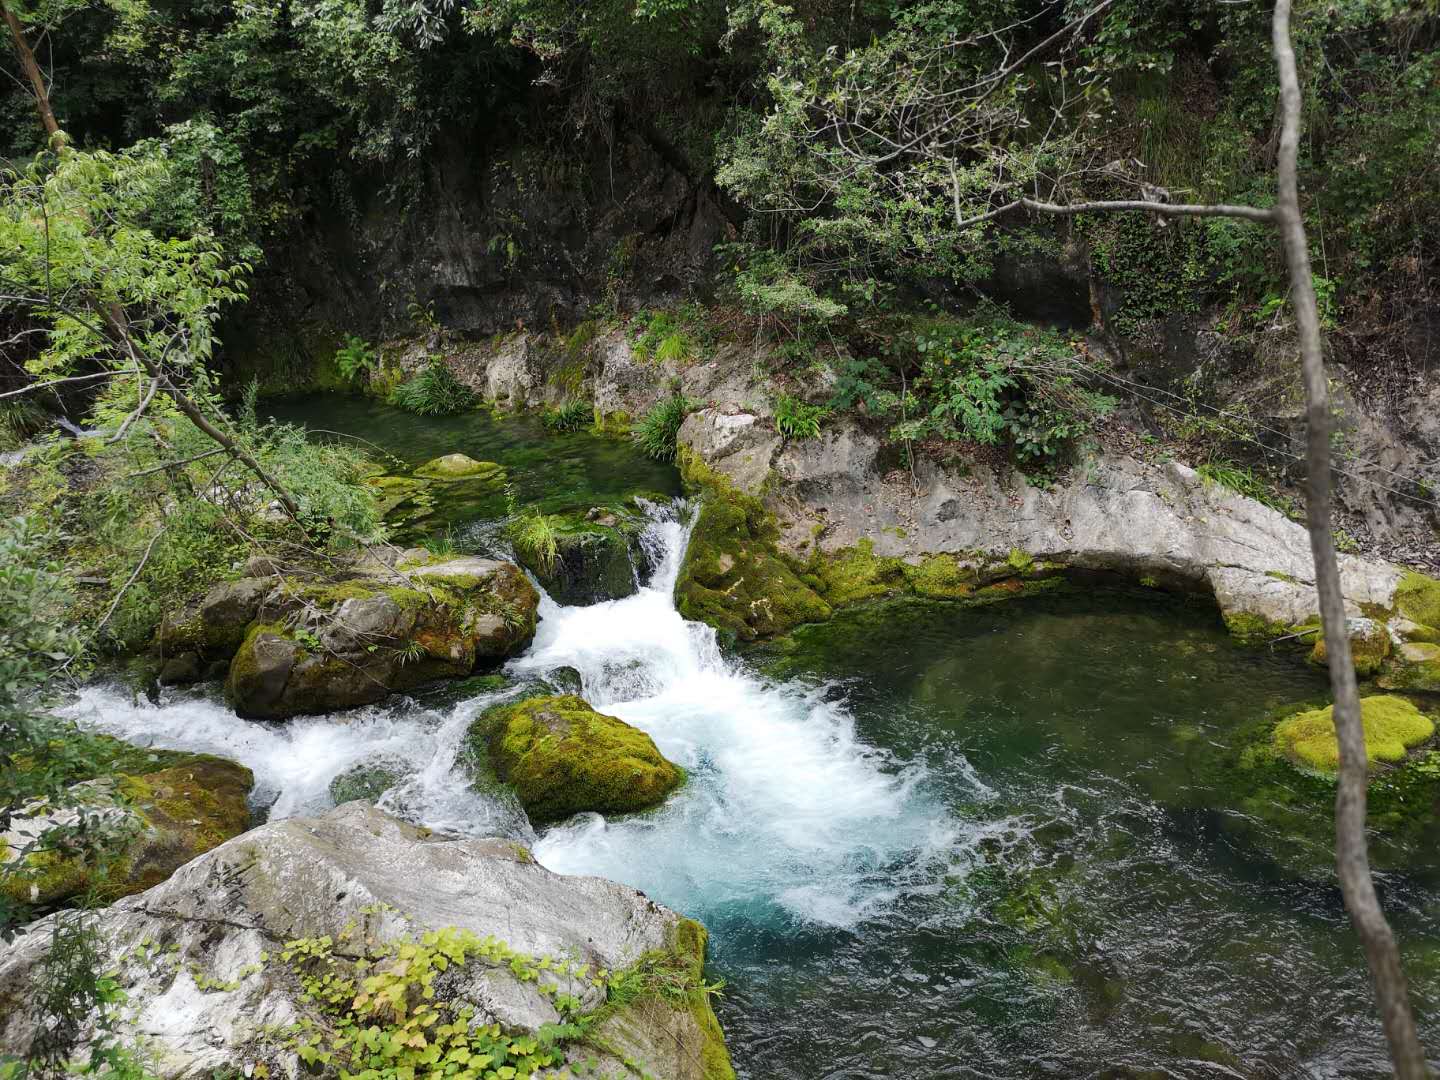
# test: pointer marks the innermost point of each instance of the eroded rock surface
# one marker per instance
(198, 956)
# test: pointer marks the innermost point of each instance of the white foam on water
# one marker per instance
(786, 815)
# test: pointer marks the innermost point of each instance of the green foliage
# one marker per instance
(658, 430)
(21, 419)
(1245, 481)
(796, 420)
(994, 381)
(571, 416)
(534, 537)
(355, 359)
(77, 238)
(434, 391)
(383, 1019)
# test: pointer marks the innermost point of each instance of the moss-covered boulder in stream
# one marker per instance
(321, 646)
(595, 556)
(461, 467)
(166, 817)
(562, 758)
(368, 779)
(733, 576)
(1392, 725)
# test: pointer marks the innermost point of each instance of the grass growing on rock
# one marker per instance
(1392, 724)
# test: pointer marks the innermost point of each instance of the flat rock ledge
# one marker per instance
(198, 955)
(1160, 524)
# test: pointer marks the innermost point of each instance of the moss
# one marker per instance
(562, 758)
(1392, 724)
(1021, 561)
(940, 577)
(1417, 597)
(181, 811)
(460, 467)
(1415, 666)
(1251, 629)
(857, 574)
(367, 780)
(1368, 650)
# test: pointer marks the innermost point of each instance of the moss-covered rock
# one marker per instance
(367, 780)
(1392, 724)
(335, 645)
(562, 758)
(1417, 597)
(733, 576)
(214, 626)
(174, 814)
(597, 557)
(1369, 646)
(1415, 665)
(461, 467)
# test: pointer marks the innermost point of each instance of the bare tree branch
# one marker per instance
(1351, 858)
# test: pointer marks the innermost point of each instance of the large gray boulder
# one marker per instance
(199, 955)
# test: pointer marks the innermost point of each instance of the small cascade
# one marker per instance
(787, 815)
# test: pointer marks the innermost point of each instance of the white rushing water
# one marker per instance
(787, 815)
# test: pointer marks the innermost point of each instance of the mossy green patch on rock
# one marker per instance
(1250, 629)
(460, 467)
(562, 758)
(1415, 665)
(367, 780)
(179, 812)
(1369, 648)
(1392, 724)
(1417, 597)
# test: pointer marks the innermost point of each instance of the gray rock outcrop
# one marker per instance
(199, 955)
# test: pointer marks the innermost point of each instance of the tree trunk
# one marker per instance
(1352, 859)
(32, 71)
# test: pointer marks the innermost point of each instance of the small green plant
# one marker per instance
(355, 359)
(423, 315)
(658, 431)
(20, 420)
(796, 420)
(535, 540)
(1244, 481)
(434, 391)
(571, 416)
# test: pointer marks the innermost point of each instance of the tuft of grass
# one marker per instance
(571, 416)
(673, 348)
(658, 431)
(433, 392)
(534, 537)
(20, 421)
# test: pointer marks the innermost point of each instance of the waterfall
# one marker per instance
(787, 815)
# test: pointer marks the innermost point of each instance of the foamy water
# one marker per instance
(787, 815)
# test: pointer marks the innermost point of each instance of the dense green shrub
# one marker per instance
(995, 381)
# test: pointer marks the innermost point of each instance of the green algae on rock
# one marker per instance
(1417, 597)
(1393, 726)
(1369, 647)
(171, 815)
(595, 558)
(368, 779)
(460, 467)
(323, 646)
(562, 758)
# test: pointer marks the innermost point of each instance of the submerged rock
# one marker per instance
(324, 646)
(562, 758)
(460, 467)
(367, 780)
(170, 815)
(1392, 726)
(210, 986)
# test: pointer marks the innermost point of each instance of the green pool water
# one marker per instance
(555, 472)
(1105, 909)
(1065, 872)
